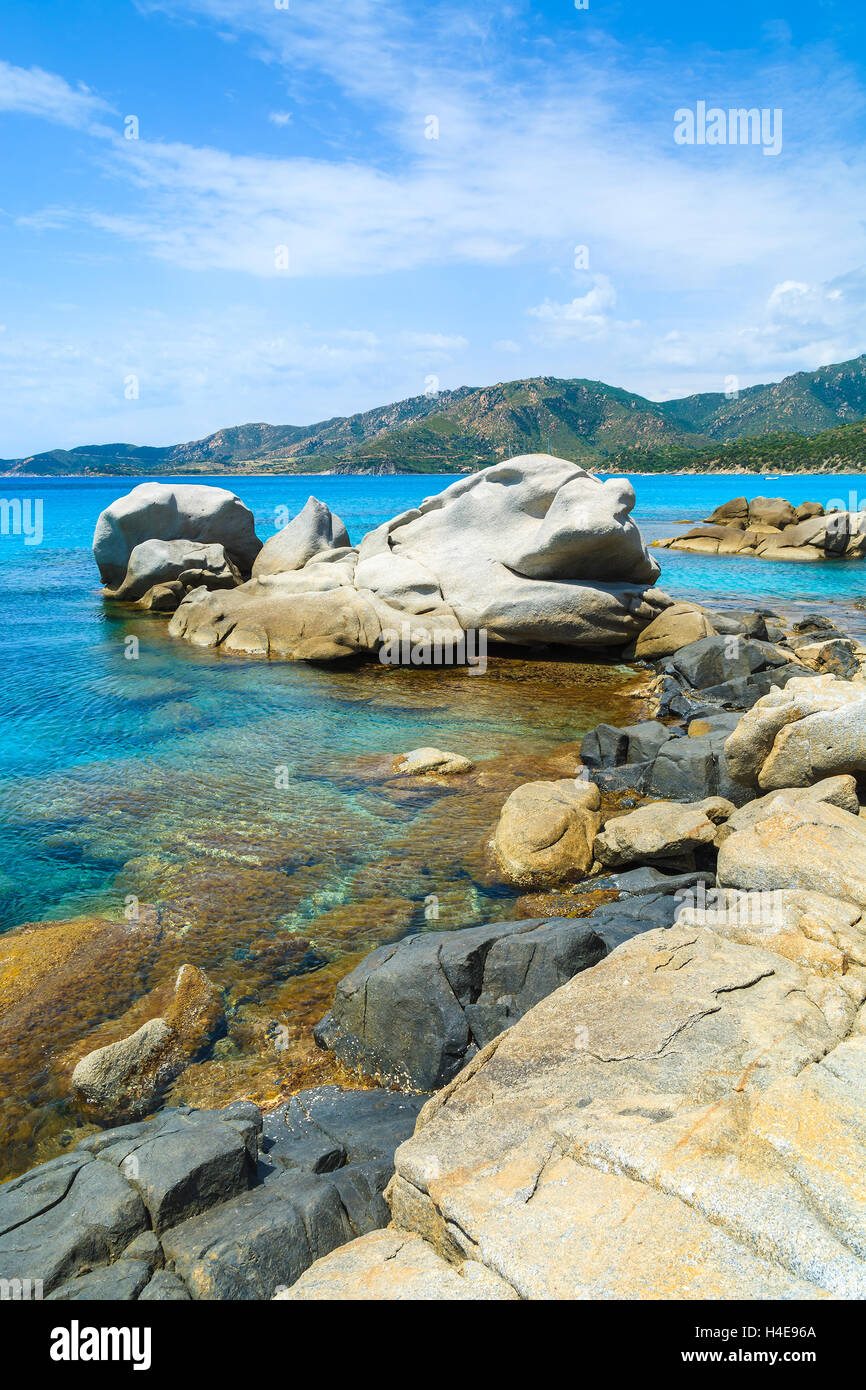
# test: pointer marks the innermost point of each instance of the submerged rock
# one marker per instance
(433, 760)
(126, 1079)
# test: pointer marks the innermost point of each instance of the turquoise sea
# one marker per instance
(158, 778)
(70, 700)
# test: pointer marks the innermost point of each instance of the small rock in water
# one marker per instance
(127, 1078)
(434, 760)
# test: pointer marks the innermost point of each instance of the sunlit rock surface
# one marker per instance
(532, 550)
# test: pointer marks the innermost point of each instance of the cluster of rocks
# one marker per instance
(162, 541)
(740, 712)
(683, 1121)
(555, 558)
(707, 662)
(772, 529)
(199, 1204)
(683, 1117)
(662, 1096)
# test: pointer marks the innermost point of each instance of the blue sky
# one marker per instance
(411, 261)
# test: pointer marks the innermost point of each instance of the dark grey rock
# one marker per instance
(647, 879)
(231, 1228)
(164, 1287)
(620, 921)
(145, 1247)
(838, 659)
(524, 968)
(243, 1116)
(630, 777)
(720, 720)
(607, 746)
(694, 768)
(816, 627)
(184, 1166)
(44, 1187)
(714, 661)
(742, 693)
(319, 1124)
(248, 1247)
(74, 1217)
(307, 1152)
(361, 1189)
(645, 740)
(120, 1282)
(750, 621)
(676, 702)
(603, 746)
(413, 1013)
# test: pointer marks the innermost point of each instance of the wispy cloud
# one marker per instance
(703, 261)
(34, 92)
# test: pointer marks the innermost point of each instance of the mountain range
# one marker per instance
(811, 420)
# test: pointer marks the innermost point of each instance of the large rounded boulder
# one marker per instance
(532, 550)
(171, 512)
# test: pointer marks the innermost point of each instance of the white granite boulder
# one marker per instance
(313, 530)
(170, 512)
(531, 550)
(191, 562)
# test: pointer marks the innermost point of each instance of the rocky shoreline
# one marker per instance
(649, 1084)
(769, 528)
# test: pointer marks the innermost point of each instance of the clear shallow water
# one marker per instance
(252, 803)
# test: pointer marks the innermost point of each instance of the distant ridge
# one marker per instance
(809, 421)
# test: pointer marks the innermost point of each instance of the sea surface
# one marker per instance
(250, 804)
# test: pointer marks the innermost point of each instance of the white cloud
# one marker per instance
(601, 173)
(587, 316)
(280, 117)
(195, 376)
(34, 92)
(721, 263)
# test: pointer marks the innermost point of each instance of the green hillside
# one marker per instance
(809, 421)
